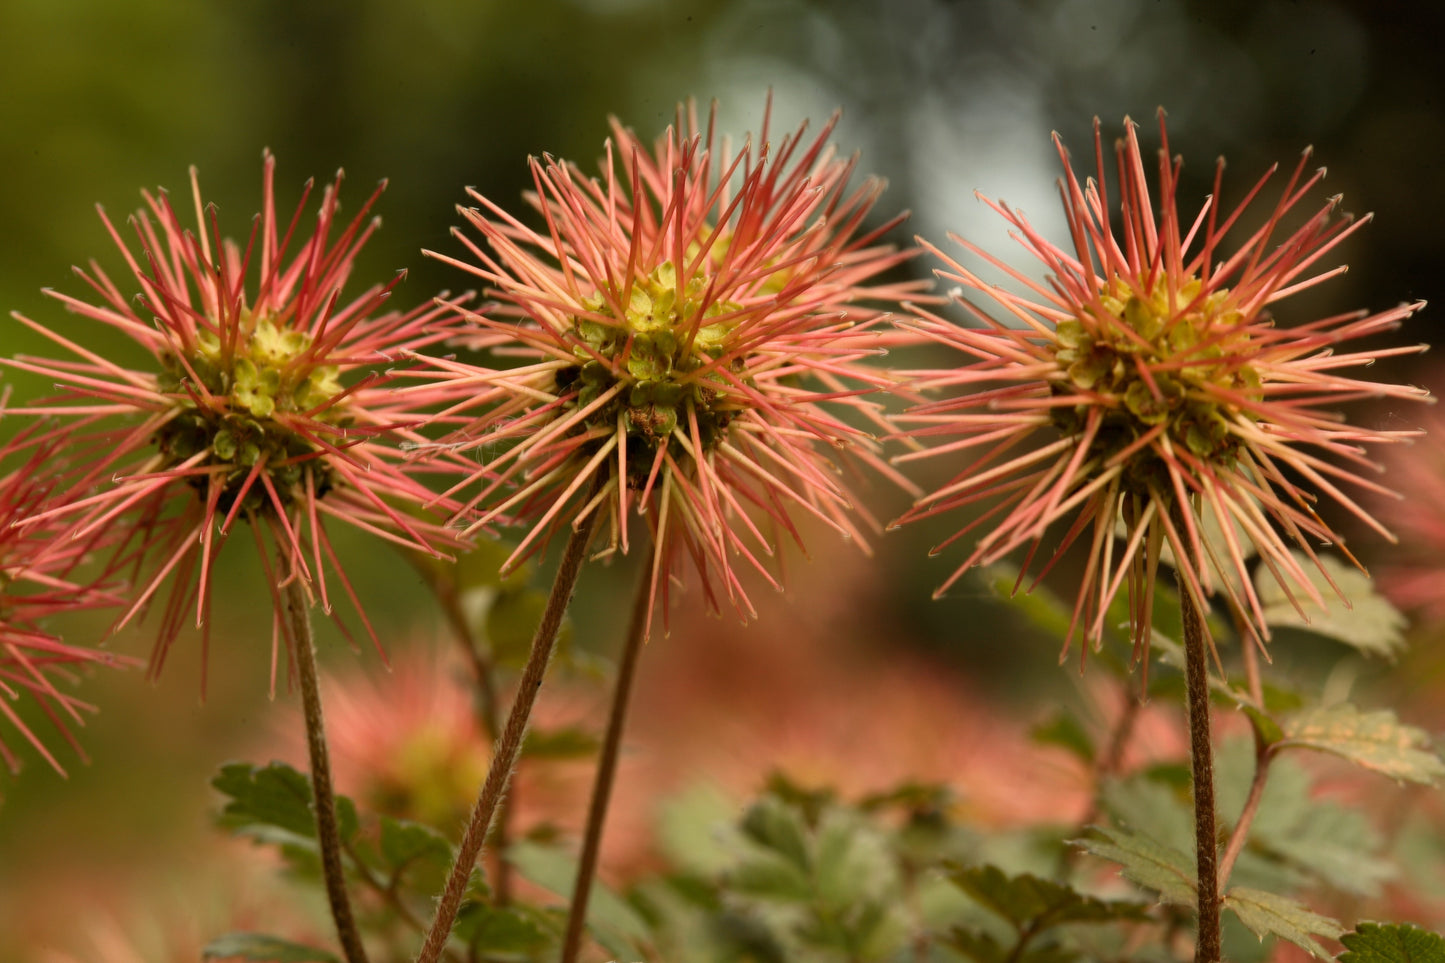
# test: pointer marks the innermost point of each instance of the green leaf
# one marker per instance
(1029, 902)
(1148, 805)
(259, 946)
(406, 843)
(275, 795)
(1368, 623)
(1375, 740)
(511, 622)
(1065, 731)
(1268, 914)
(1151, 864)
(571, 742)
(983, 948)
(1392, 943)
(778, 827)
(499, 929)
(617, 925)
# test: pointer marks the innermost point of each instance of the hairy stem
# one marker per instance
(1196, 677)
(606, 769)
(328, 834)
(506, 749)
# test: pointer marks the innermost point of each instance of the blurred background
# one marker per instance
(98, 99)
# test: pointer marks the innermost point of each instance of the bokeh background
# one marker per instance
(99, 98)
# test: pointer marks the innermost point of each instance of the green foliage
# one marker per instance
(1375, 740)
(616, 924)
(1392, 943)
(1145, 861)
(1269, 914)
(503, 930)
(271, 796)
(570, 742)
(260, 947)
(1062, 729)
(1368, 622)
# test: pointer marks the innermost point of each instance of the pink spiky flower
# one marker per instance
(37, 565)
(269, 402)
(1146, 384)
(681, 324)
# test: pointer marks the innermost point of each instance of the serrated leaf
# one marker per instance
(1369, 623)
(1269, 914)
(570, 742)
(1151, 805)
(1063, 730)
(1029, 902)
(275, 795)
(1294, 831)
(1151, 864)
(1375, 740)
(260, 947)
(1392, 943)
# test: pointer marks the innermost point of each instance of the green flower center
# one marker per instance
(651, 353)
(1190, 347)
(263, 377)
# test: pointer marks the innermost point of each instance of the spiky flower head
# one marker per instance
(1146, 384)
(38, 582)
(680, 325)
(268, 399)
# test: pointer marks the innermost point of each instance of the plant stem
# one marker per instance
(1240, 834)
(506, 749)
(298, 611)
(1196, 677)
(606, 769)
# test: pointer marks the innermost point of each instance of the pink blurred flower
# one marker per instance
(270, 404)
(1148, 384)
(1414, 576)
(37, 582)
(678, 332)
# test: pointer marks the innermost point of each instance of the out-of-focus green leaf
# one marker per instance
(260, 947)
(1369, 623)
(1269, 914)
(1151, 864)
(1029, 902)
(500, 929)
(1375, 740)
(404, 843)
(275, 795)
(511, 621)
(776, 826)
(983, 948)
(1063, 730)
(617, 926)
(1151, 807)
(570, 742)
(697, 832)
(1392, 943)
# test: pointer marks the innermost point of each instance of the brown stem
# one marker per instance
(444, 587)
(1240, 834)
(606, 770)
(506, 749)
(1196, 678)
(298, 612)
